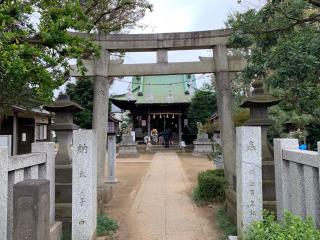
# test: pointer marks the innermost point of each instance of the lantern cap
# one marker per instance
(259, 98)
(63, 104)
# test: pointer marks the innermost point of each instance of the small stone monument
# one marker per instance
(249, 177)
(259, 103)
(31, 210)
(84, 191)
(64, 110)
(203, 145)
(111, 177)
(113, 128)
(128, 147)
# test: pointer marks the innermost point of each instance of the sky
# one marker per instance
(182, 16)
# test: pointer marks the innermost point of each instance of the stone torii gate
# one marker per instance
(221, 65)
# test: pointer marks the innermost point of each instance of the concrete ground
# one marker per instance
(152, 200)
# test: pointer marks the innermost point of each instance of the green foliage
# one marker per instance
(106, 226)
(203, 105)
(224, 224)
(281, 43)
(211, 185)
(81, 92)
(196, 196)
(293, 228)
(241, 117)
(35, 46)
(313, 135)
(66, 236)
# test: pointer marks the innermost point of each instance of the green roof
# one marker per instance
(160, 89)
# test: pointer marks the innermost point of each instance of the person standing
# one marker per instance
(166, 138)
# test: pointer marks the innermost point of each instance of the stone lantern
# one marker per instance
(113, 128)
(63, 126)
(258, 104)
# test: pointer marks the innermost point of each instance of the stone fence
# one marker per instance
(40, 164)
(297, 179)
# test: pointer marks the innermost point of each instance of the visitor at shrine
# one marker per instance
(167, 136)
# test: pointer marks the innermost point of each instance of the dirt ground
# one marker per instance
(131, 174)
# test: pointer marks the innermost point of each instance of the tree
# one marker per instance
(203, 105)
(35, 46)
(282, 40)
(81, 92)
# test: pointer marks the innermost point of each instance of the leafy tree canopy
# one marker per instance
(203, 105)
(283, 41)
(81, 92)
(35, 46)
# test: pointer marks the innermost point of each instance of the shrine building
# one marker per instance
(158, 102)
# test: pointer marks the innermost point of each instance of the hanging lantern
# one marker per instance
(160, 116)
(172, 116)
(154, 116)
(167, 115)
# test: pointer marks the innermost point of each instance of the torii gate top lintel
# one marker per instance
(158, 41)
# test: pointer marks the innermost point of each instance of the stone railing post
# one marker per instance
(48, 148)
(4, 161)
(31, 210)
(282, 173)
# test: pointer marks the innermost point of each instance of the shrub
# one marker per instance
(66, 236)
(211, 185)
(106, 226)
(293, 228)
(224, 224)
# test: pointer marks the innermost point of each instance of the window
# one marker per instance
(41, 132)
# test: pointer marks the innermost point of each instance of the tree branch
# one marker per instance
(312, 19)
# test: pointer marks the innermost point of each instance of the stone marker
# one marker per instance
(84, 185)
(31, 210)
(128, 147)
(249, 177)
(202, 146)
(111, 178)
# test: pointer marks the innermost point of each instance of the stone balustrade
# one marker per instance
(39, 164)
(297, 180)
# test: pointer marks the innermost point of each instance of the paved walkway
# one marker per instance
(162, 210)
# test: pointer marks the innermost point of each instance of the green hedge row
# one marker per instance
(211, 185)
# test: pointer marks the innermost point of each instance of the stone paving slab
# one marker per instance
(162, 210)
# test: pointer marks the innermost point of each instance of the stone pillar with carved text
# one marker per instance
(249, 177)
(84, 190)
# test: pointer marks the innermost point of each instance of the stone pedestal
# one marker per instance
(202, 146)
(128, 147)
(31, 210)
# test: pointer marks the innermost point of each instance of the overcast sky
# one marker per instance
(182, 16)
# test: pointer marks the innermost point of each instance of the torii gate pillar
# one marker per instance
(100, 121)
(224, 98)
